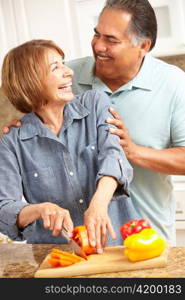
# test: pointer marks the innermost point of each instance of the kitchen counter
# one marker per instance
(22, 260)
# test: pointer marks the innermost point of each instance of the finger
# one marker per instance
(68, 223)
(119, 132)
(17, 123)
(52, 220)
(114, 113)
(103, 234)
(91, 234)
(46, 221)
(111, 230)
(5, 130)
(117, 123)
(98, 238)
(58, 225)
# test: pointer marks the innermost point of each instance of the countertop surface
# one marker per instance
(22, 261)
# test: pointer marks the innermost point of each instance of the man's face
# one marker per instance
(114, 53)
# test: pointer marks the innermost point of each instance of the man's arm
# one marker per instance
(166, 161)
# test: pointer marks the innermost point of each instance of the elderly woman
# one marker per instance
(70, 169)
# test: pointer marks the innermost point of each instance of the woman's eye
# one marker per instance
(55, 68)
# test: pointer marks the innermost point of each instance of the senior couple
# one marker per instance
(75, 164)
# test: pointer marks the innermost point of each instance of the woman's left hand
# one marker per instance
(97, 223)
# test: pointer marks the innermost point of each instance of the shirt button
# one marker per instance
(121, 160)
(71, 173)
(81, 200)
(35, 174)
(92, 147)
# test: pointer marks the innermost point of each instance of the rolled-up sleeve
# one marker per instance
(11, 201)
(112, 160)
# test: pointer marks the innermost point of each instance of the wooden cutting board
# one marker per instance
(110, 261)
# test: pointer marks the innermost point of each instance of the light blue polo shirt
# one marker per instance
(152, 106)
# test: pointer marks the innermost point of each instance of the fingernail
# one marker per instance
(93, 244)
(111, 108)
(109, 119)
(111, 130)
(99, 250)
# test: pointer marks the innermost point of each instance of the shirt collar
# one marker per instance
(87, 71)
(33, 126)
(143, 79)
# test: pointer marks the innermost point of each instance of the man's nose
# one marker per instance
(99, 45)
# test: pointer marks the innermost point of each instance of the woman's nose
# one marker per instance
(68, 72)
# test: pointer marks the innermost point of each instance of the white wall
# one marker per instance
(70, 23)
(22, 20)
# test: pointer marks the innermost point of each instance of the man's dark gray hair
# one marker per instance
(143, 24)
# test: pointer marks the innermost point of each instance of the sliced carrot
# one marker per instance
(63, 257)
(67, 254)
(54, 262)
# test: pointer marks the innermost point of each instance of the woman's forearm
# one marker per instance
(105, 190)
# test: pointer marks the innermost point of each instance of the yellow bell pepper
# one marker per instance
(144, 245)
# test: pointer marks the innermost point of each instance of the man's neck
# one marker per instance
(115, 83)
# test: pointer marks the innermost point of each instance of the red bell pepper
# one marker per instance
(133, 226)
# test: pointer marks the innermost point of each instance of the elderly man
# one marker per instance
(149, 96)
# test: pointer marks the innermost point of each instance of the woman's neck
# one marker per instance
(52, 117)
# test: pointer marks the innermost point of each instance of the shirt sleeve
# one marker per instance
(11, 193)
(112, 160)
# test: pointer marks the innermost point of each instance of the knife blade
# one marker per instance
(76, 248)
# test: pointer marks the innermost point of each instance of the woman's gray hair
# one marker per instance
(143, 24)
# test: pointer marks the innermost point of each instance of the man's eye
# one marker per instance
(113, 42)
(96, 35)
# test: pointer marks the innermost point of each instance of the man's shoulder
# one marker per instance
(168, 68)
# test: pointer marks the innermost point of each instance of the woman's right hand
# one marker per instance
(54, 217)
(14, 123)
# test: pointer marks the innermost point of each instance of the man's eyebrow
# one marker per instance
(106, 35)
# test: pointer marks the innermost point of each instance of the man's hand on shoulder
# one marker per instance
(14, 123)
(126, 142)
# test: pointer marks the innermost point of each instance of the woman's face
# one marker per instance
(58, 81)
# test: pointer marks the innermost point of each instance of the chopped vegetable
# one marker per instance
(144, 245)
(81, 237)
(60, 258)
(133, 226)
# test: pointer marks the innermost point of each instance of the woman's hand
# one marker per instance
(54, 217)
(14, 123)
(97, 223)
(96, 217)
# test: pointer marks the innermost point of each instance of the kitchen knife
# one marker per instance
(76, 248)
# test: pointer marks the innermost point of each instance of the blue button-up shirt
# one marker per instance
(62, 169)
